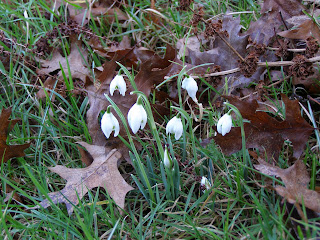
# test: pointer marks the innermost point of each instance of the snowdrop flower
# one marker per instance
(205, 183)
(137, 116)
(109, 123)
(167, 161)
(224, 124)
(191, 86)
(118, 83)
(175, 126)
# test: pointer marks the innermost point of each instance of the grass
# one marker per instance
(236, 208)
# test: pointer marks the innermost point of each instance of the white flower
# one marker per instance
(137, 117)
(167, 161)
(224, 124)
(118, 83)
(205, 182)
(175, 126)
(191, 86)
(109, 123)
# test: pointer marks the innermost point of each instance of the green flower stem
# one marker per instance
(189, 120)
(180, 76)
(243, 137)
(133, 148)
(151, 122)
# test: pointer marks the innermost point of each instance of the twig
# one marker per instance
(289, 50)
(223, 39)
(260, 64)
(232, 48)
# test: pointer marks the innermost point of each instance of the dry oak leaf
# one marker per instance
(6, 125)
(296, 181)
(103, 172)
(83, 13)
(305, 30)
(74, 59)
(265, 132)
(220, 53)
(274, 12)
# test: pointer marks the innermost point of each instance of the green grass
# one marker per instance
(235, 208)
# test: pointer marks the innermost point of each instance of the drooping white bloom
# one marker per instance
(109, 123)
(175, 126)
(167, 161)
(224, 124)
(191, 86)
(137, 117)
(205, 182)
(118, 83)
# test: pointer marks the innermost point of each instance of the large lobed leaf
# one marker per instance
(274, 12)
(6, 125)
(103, 172)
(296, 181)
(265, 132)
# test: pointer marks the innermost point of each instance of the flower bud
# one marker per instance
(191, 86)
(167, 161)
(224, 124)
(137, 116)
(109, 123)
(175, 126)
(118, 83)
(205, 183)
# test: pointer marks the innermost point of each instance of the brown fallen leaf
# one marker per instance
(265, 132)
(311, 83)
(48, 84)
(6, 125)
(153, 70)
(305, 30)
(75, 60)
(296, 180)
(103, 172)
(274, 12)
(83, 13)
(99, 10)
(12, 195)
(219, 53)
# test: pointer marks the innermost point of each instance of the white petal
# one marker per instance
(118, 83)
(184, 83)
(224, 124)
(192, 89)
(166, 160)
(175, 126)
(170, 125)
(134, 118)
(191, 86)
(116, 125)
(205, 182)
(144, 117)
(219, 125)
(178, 129)
(106, 124)
(121, 85)
(112, 87)
(226, 127)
